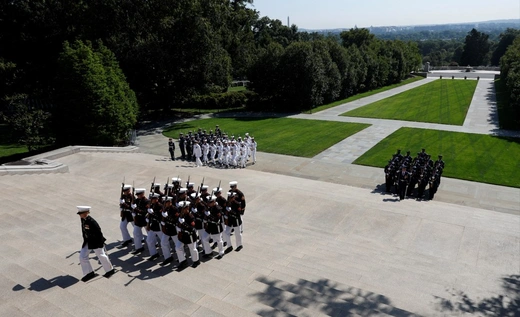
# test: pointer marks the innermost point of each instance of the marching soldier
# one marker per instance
(92, 240)
(153, 227)
(233, 221)
(182, 145)
(213, 227)
(240, 199)
(389, 176)
(139, 210)
(170, 217)
(188, 235)
(197, 210)
(126, 214)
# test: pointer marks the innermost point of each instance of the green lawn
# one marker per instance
(474, 157)
(296, 137)
(237, 88)
(444, 101)
(11, 149)
(366, 94)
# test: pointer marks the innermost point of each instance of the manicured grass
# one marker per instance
(507, 116)
(296, 137)
(444, 101)
(366, 94)
(474, 157)
(11, 149)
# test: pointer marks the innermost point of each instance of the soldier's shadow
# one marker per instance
(42, 284)
(135, 266)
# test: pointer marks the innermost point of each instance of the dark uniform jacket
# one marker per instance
(154, 220)
(187, 232)
(233, 214)
(92, 235)
(140, 211)
(241, 199)
(213, 220)
(198, 214)
(169, 222)
(126, 210)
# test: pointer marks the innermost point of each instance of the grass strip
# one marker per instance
(296, 137)
(444, 101)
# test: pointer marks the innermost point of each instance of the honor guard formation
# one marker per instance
(180, 217)
(404, 172)
(216, 149)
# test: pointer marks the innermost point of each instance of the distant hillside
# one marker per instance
(436, 31)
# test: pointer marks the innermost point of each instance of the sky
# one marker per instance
(330, 14)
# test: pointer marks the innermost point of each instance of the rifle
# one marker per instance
(152, 188)
(122, 185)
(188, 182)
(166, 187)
(218, 188)
(133, 191)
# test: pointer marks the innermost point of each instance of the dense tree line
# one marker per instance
(510, 73)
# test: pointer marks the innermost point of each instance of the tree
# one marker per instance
(506, 39)
(29, 125)
(476, 48)
(510, 73)
(95, 105)
(358, 37)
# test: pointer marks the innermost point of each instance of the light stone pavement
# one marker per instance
(320, 239)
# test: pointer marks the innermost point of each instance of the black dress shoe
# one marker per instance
(89, 276)
(214, 245)
(225, 243)
(239, 248)
(218, 257)
(207, 256)
(153, 257)
(167, 261)
(196, 263)
(125, 243)
(109, 273)
(182, 265)
(137, 251)
(228, 250)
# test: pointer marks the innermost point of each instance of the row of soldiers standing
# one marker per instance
(185, 216)
(404, 173)
(217, 148)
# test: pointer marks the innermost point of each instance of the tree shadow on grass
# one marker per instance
(323, 296)
(507, 304)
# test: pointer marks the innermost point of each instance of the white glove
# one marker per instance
(133, 206)
(162, 223)
(228, 208)
(147, 220)
(177, 204)
(133, 214)
(165, 214)
(150, 211)
(193, 210)
(181, 220)
(120, 209)
(207, 213)
(122, 201)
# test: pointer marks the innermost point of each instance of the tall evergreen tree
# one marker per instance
(476, 48)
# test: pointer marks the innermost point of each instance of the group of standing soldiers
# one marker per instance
(215, 148)
(184, 216)
(404, 172)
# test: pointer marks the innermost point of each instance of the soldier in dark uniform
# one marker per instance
(233, 221)
(435, 181)
(189, 147)
(126, 214)
(153, 227)
(414, 179)
(188, 235)
(240, 199)
(423, 181)
(403, 178)
(92, 240)
(170, 217)
(440, 162)
(218, 132)
(198, 207)
(389, 176)
(182, 146)
(139, 210)
(171, 149)
(213, 227)
(397, 156)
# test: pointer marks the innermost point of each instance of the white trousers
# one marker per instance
(85, 262)
(227, 235)
(123, 225)
(165, 245)
(216, 238)
(253, 154)
(193, 252)
(138, 237)
(151, 240)
(198, 162)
